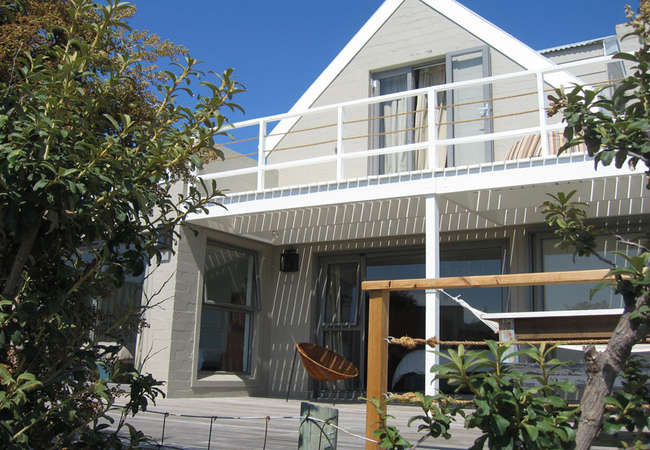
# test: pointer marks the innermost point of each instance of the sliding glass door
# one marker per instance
(343, 327)
(470, 107)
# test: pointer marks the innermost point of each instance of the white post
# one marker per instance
(432, 263)
(339, 144)
(261, 155)
(432, 128)
(542, 114)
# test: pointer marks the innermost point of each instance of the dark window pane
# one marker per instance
(224, 340)
(228, 276)
(576, 296)
(341, 302)
(226, 314)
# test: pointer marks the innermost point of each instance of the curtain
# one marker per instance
(395, 119)
(428, 76)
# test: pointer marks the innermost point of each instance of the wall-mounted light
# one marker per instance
(289, 260)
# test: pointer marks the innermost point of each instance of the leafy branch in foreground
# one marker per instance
(617, 128)
(97, 168)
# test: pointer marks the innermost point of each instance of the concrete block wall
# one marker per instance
(185, 327)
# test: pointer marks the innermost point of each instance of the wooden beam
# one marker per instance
(487, 281)
(377, 372)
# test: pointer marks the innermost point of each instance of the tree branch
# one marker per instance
(602, 370)
(24, 250)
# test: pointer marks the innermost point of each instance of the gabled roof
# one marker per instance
(484, 30)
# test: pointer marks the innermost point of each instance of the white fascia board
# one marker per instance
(498, 39)
(341, 60)
(559, 313)
(468, 179)
(489, 33)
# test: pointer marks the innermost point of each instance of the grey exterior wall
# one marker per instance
(413, 35)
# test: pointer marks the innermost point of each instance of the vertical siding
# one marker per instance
(295, 300)
(414, 33)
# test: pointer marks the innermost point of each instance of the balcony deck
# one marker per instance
(332, 156)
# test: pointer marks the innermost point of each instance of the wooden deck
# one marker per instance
(192, 433)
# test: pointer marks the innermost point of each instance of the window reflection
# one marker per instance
(226, 313)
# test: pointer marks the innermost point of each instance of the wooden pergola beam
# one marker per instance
(488, 281)
(377, 376)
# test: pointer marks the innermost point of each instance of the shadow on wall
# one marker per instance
(291, 322)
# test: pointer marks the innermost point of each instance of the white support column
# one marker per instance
(432, 262)
(261, 155)
(432, 128)
(542, 114)
(339, 144)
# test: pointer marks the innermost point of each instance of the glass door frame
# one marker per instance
(487, 94)
(359, 325)
(377, 165)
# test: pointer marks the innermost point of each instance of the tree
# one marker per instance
(97, 164)
(615, 129)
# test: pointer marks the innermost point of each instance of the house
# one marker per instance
(422, 150)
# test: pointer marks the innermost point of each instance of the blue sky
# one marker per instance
(278, 48)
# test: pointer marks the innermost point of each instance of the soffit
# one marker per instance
(470, 211)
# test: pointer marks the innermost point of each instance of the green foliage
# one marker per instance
(437, 415)
(97, 165)
(628, 405)
(510, 413)
(567, 218)
(613, 129)
(388, 436)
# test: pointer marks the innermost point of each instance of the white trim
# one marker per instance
(566, 168)
(637, 348)
(562, 313)
(336, 66)
(484, 30)
(432, 308)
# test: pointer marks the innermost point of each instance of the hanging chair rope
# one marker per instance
(491, 324)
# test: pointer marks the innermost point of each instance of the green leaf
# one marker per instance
(40, 184)
(501, 423)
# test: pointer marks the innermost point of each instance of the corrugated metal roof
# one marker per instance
(575, 44)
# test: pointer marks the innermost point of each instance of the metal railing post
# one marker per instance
(261, 155)
(339, 144)
(432, 128)
(542, 114)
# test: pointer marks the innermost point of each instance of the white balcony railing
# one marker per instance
(421, 129)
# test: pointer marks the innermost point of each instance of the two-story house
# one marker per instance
(422, 150)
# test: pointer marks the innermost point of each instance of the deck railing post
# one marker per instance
(261, 155)
(377, 375)
(432, 128)
(541, 105)
(339, 144)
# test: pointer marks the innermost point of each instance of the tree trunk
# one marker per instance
(602, 370)
(24, 250)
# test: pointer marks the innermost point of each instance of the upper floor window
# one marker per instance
(461, 112)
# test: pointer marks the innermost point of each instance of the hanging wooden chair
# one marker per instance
(325, 365)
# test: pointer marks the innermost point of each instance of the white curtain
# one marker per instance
(428, 76)
(394, 120)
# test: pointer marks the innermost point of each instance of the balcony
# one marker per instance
(487, 122)
(490, 137)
